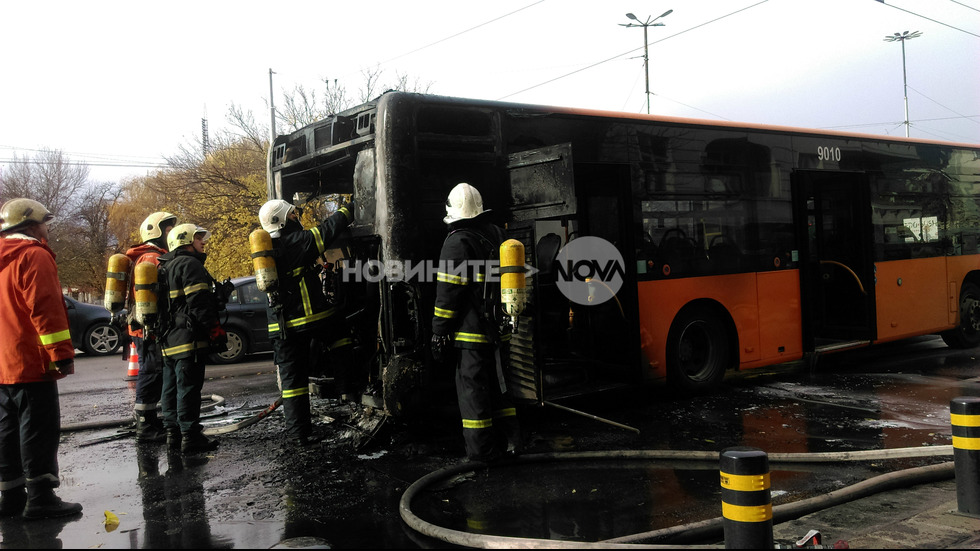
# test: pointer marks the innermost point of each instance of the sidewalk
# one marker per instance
(919, 517)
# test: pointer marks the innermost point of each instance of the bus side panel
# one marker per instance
(957, 269)
(660, 301)
(912, 297)
(780, 314)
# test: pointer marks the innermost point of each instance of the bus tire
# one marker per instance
(698, 350)
(967, 334)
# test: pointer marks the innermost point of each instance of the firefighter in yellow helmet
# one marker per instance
(191, 331)
(465, 329)
(35, 351)
(305, 311)
(149, 380)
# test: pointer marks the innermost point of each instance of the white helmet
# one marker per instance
(152, 227)
(184, 235)
(17, 213)
(274, 214)
(464, 202)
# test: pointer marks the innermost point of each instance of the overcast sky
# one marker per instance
(128, 82)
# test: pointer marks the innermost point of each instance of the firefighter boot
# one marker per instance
(196, 442)
(12, 501)
(148, 427)
(173, 438)
(42, 503)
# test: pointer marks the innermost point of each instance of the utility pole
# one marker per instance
(902, 37)
(646, 56)
(272, 109)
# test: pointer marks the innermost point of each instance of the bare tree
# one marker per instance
(49, 178)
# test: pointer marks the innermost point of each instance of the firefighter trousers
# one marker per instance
(149, 380)
(490, 426)
(30, 429)
(292, 356)
(180, 402)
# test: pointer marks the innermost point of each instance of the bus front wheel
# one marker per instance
(967, 334)
(698, 351)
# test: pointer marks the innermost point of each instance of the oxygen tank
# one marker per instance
(513, 296)
(145, 282)
(116, 282)
(266, 277)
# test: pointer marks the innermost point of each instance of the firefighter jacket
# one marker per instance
(33, 318)
(192, 309)
(146, 252)
(466, 302)
(303, 305)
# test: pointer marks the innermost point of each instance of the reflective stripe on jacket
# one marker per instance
(33, 317)
(146, 252)
(193, 309)
(304, 305)
(460, 284)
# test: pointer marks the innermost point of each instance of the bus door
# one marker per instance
(569, 348)
(837, 280)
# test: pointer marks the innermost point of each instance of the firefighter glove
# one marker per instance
(439, 345)
(351, 207)
(118, 319)
(218, 339)
(65, 367)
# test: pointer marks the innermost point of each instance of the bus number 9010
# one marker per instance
(828, 153)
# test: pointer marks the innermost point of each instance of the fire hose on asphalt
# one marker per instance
(697, 531)
(215, 402)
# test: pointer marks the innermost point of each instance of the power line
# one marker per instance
(80, 163)
(596, 64)
(964, 5)
(928, 18)
(461, 32)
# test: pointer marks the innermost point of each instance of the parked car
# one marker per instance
(91, 328)
(245, 322)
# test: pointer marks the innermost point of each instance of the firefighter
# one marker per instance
(149, 380)
(191, 332)
(465, 327)
(303, 312)
(35, 352)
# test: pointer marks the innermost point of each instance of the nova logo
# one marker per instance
(589, 270)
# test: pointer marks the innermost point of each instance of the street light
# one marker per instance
(646, 56)
(902, 37)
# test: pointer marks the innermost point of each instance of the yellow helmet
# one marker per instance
(183, 234)
(17, 213)
(152, 227)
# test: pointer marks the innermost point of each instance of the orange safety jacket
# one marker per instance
(146, 252)
(33, 317)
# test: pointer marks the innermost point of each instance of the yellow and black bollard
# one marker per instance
(746, 504)
(964, 416)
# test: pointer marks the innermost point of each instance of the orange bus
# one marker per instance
(742, 245)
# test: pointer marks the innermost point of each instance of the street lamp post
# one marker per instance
(902, 37)
(646, 56)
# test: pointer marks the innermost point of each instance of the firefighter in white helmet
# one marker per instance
(192, 331)
(465, 327)
(149, 380)
(37, 351)
(304, 313)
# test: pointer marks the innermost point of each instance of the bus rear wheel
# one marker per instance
(967, 334)
(698, 351)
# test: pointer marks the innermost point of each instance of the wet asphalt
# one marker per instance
(254, 492)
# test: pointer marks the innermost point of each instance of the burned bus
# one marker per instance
(742, 245)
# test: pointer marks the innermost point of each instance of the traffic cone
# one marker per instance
(134, 363)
